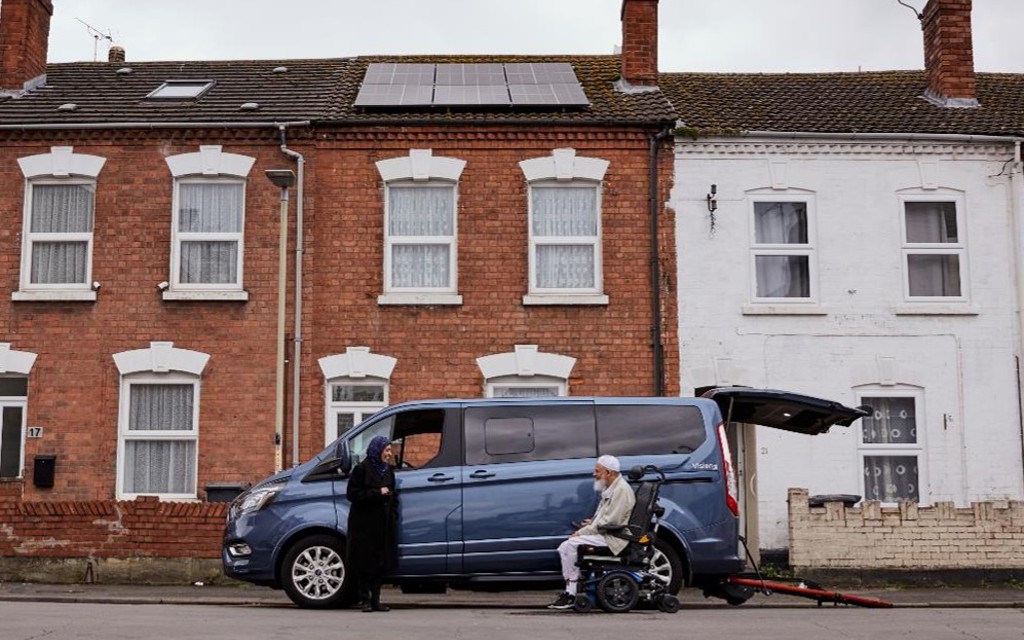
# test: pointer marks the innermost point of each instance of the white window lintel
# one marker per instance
(526, 361)
(19, 362)
(61, 162)
(419, 166)
(161, 357)
(563, 165)
(357, 362)
(210, 160)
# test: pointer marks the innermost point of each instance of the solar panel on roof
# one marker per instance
(389, 84)
(470, 74)
(471, 96)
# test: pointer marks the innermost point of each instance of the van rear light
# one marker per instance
(732, 491)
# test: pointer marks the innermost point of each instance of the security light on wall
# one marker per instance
(713, 199)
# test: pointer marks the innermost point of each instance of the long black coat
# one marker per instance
(372, 520)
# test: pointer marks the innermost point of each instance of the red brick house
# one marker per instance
(476, 242)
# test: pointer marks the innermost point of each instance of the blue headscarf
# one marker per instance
(377, 446)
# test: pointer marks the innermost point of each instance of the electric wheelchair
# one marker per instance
(619, 583)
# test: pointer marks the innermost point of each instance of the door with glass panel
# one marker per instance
(349, 403)
(12, 426)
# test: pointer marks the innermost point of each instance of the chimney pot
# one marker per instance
(116, 54)
(949, 53)
(640, 42)
(24, 38)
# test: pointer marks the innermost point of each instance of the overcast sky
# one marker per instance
(696, 35)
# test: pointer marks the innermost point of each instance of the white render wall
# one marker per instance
(860, 333)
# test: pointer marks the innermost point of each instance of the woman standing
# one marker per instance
(372, 522)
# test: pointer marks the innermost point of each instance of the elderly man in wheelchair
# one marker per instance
(607, 561)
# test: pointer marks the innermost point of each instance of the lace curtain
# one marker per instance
(890, 478)
(932, 274)
(421, 212)
(565, 212)
(61, 209)
(210, 208)
(160, 466)
(785, 276)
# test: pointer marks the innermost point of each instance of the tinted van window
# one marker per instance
(631, 430)
(513, 434)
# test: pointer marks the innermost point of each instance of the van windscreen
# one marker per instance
(634, 430)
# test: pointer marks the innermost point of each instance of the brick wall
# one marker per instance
(640, 41)
(107, 540)
(984, 535)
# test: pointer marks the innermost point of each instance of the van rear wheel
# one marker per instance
(314, 574)
(666, 566)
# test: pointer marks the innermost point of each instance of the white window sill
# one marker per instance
(206, 296)
(535, 299)
(799, 309)
(419, 299)
(935, 309)
(175, 497)
(54, 295)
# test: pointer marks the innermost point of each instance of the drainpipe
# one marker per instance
(653, 202)
(297, 331)
(1017, 202)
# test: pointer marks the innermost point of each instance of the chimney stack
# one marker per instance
(24, 36)
(949, 53)
(640, 42)
(116, 54)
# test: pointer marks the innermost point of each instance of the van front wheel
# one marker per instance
(314, 575)
(666, 566)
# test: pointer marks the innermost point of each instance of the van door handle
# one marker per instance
(439, 477)
(482, 474)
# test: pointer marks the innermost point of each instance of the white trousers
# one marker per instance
(569, 554)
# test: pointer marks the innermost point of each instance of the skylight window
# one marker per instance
(181, 89)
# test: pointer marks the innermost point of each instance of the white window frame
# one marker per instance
(917, 449)
(809, 250)
(958, 248)
(451, 241)
(595, 241)
(22, 403)
(178, 237)
(561, 385)
(362, 410)
(124, 434)
(60, 166)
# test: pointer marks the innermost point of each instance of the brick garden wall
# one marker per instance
(987, 535)
(105, 540)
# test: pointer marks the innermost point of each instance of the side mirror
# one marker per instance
(344, 458)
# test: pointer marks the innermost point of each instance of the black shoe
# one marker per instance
(381, 607)
(367, 607)
(563, 601)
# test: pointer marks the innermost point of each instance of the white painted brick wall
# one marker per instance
(964, 363)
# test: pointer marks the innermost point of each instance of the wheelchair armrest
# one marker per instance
(622, 531)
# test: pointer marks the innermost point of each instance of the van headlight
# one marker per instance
(255, 500)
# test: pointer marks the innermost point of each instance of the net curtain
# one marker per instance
(421, 212)
(781, 223)
(565, 212)
(61, 209)
(210, 208)
(155, 465)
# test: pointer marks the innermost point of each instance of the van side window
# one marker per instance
(633, 430)
(416, 441)
(514, 434)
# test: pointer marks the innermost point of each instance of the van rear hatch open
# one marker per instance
(783, 410)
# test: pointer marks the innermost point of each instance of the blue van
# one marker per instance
(488, 489)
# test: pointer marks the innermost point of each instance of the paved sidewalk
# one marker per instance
(993, 597)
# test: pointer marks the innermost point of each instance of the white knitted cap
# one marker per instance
(610, 463)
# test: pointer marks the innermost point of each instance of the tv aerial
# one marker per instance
(97, 35)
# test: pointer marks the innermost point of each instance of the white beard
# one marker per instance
(600, 485)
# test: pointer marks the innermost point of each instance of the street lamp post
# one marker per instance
(283, 179)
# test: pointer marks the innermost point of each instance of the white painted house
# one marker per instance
(858, 237)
